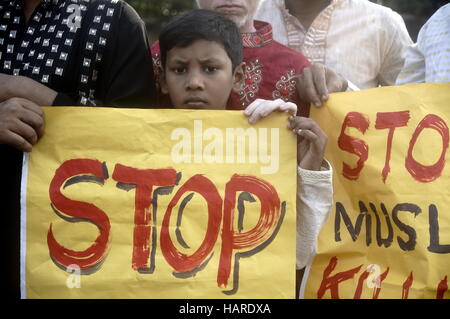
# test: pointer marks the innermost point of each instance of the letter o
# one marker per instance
(182, 262)
(423, 173)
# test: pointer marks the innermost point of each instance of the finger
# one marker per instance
(25, 131)
(259, 112)
(336, 83)
(311, 147)
(252, 107)
(309, 87)
(29, 105)
(309, 135)
(33, 120)
(264, 108)
(289, 107)
(303, 123)
(298, 122)
(321, 82)
(15, 140)
(291, 122)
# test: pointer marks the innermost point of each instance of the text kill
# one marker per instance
(374, 276)
(148, 185)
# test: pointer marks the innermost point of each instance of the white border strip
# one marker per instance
(23, 225)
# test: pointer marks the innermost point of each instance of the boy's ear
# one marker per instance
(163, 83)
(239, 78)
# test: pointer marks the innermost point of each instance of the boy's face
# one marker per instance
(239, 11)
(200, 76)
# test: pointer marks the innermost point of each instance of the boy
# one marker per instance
(271, 69)
(201, 55)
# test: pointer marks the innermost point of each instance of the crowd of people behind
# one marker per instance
(258, 56)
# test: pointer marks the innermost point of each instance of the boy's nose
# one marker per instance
(194, 81)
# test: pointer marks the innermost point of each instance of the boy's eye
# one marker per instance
(179, 70)
(211, 69)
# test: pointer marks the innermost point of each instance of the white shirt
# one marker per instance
(429, 59)
(362, 41)
(314, 201)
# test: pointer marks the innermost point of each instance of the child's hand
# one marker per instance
(261, 108)
(312, 142)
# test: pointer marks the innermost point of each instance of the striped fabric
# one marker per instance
(312, 42)
(428, 60)
(364, 42)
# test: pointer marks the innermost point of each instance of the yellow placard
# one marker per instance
(132, 203)
(388, 234)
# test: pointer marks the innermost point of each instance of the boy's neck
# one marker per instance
(248, 27)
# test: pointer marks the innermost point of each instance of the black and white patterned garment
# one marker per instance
(92, 52)
(102, 58)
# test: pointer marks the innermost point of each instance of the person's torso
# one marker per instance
(60, 46)
(349, 36)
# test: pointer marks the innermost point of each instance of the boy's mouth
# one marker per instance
(195, 103)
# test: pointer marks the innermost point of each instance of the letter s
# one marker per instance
(354, 145)
(71, 172)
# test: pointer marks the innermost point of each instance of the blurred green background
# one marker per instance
(156, 13)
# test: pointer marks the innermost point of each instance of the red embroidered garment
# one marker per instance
(269, 73)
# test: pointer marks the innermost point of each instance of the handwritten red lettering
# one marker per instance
(423, 173)
(332, 282)
(354, 145)
(407, 285)
(70, 172)
(442, 288)
(182, 262)
(390, 120)
(144, 180)
(268, 219)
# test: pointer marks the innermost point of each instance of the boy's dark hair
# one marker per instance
(199, 24)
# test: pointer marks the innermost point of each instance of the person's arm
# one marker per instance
(126, 77)
(314, 201)
(314, 192)
(414, 69)
(393, 52)
(25, 88)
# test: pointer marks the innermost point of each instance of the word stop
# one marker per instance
(220, 217)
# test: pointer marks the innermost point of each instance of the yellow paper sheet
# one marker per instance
(86, 176)
(400, 245)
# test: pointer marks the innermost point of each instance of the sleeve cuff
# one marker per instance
(63, 100)
(326, 171)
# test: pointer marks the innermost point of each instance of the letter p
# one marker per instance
(254, 240)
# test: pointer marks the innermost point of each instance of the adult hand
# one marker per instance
(26, 88)
(21, 123)
(312, 144)
(317, 81)
(262, 108)
(6, 86)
